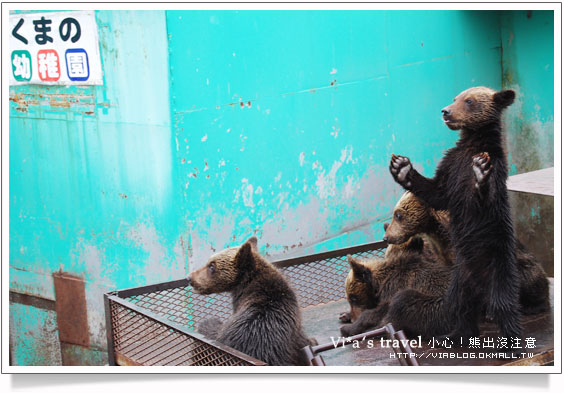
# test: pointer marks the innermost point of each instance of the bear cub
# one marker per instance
(470, 182)
(412, 218)
(372, 284)
(266, 320)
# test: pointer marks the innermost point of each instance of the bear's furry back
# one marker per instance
(266, 321)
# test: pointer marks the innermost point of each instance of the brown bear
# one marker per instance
(470, 182)
(419, 313)
(411, 217)
(266, 320)
(371, 284)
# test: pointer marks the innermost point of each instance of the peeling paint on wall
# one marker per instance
(530, 120)
(83, 161)
(126, 184)
(34, 340)
(326, 186)
(530, 139)
(317, 147)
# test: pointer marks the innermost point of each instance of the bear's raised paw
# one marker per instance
(399, 168)
(482, 166)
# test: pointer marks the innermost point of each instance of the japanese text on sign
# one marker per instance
(55, 48)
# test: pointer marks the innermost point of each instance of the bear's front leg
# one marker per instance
(369, 319)
(400, 168)
(345, 317)
(429, 190)
(210, 327)
(482, 167)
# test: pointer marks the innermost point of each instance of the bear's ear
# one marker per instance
(245, 259)
(254, 242)
(361, 272)
(504, 98)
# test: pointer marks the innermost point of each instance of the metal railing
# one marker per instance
(156, 324)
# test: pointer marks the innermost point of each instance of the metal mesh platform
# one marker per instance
(154, 324)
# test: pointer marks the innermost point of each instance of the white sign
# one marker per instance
(55, 48)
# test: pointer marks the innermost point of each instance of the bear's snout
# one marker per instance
(446, 112)
(197, 281)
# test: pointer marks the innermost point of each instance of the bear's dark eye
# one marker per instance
(353, 299)
(398, 216)
(212, 268)
(469, 101)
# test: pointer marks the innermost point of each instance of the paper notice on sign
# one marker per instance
(55, 48)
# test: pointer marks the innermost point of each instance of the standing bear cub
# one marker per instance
(266, 321)
(470, 182)
(413, 218)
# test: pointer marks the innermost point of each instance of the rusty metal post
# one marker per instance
(410, 359)
(391, 332)
(311, 356)
(318, 361)
(109, 331)
(308, 354)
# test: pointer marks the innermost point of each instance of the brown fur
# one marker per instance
(266, 320)
(412, 217)
(371, 284)
(475, 108)
(471, 183)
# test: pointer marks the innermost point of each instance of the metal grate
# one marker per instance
(323, 281)
(182, 306)
(141, 340)
(154, 325)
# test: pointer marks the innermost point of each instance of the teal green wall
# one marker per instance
(287, 133)
(91, 175)
(141, 179)
(528, 67)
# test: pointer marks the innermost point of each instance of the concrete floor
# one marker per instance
(322, 322)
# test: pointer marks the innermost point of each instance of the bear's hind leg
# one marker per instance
(463, 305)
(505, 307)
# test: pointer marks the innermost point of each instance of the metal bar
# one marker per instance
(32, 300)
(308, 354)
(330, 254)
(349, 340)
(318, 361)
(123, 293)
(311, 353)
(109, 331)
(120, 297)
(135, 291)
(410, 359)
(123, 360)
(185, 331)
(391, 333)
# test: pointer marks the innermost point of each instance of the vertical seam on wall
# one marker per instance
(176, 194)
(499, 23)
